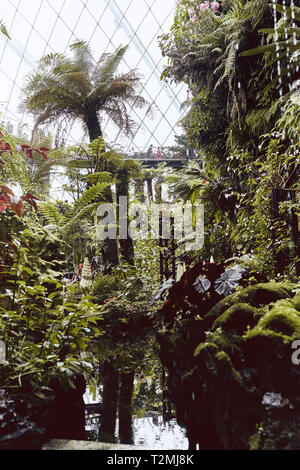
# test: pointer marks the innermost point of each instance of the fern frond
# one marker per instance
(89, 196)
(88, 210)
(51, 214)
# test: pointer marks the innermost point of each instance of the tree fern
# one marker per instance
(74, 88)
(78, 217)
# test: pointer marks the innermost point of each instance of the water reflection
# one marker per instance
(150, 433)
(153, 433)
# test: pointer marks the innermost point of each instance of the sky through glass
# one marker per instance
(37, 27)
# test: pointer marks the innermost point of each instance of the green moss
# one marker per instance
(296, 301)
(237, 317)
(283, 318)
(205, 354)
(225, 365)
(263, 334)
(223, 357)
(244, 351)
(256, 296)
(254, 441)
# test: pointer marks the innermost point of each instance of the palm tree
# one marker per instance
(76, 87)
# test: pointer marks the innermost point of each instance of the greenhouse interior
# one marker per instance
(149, 226)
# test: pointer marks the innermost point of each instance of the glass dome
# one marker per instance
(43, 26)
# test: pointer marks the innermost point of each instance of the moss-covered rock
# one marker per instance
(255, 296)
(243, 352)
(238, 317)
(296, 301)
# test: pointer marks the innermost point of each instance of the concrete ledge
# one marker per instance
(65, 444)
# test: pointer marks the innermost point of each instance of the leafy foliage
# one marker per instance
(123, 298)
(45, 328)
(74, 88)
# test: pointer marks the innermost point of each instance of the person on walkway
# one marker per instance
(158, 154)
(150, 152)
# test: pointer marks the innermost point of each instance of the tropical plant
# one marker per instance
(283, 50)
(70, 88)
(44, 325)
(128, 345)
(44, 334)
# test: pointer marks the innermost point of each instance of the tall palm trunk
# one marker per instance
(94, 129)
(126, 244)
(125, 408)
(92, 123)
(126, 379)
(150, 188)
(158, 190)
(110, 375)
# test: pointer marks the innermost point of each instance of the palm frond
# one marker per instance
(108, 65)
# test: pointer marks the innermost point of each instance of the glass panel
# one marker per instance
(51, 25)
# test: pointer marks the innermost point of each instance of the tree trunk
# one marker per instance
(139, 189)
(150, 189)
(109, 401)
(112, 249)
(126, 244)
(127, 380)
(125, 408)
(94, 129)
(158, 191)
(92, 123)
(109, 374)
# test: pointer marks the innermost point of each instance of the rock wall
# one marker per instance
(27, 422)
(231, 377)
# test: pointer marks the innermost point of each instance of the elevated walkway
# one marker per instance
(153, 163)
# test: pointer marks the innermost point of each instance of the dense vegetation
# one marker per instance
(220, 334)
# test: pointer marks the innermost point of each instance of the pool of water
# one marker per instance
(150, 432)
(153, 433)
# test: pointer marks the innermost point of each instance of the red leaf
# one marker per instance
(33, 204)
(5, 147)
(18, 208)
(28, 153)
(44, 155)
(8, 147)
(30, 198)
(6, 190)
(3, 203)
